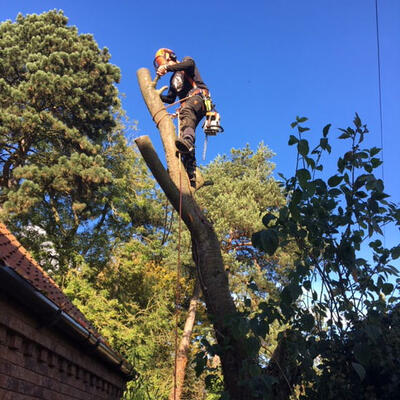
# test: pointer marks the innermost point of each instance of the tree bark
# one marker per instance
(183, 349)
(205, 246)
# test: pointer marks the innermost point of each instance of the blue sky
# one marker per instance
(265, 61)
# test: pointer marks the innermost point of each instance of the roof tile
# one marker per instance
(15, 256)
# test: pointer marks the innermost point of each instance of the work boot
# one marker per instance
(183, 145)
(189, 162)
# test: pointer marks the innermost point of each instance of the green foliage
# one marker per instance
(243, 188)
(65, 166)
(363, 364)
(130, 302)
(340, 305)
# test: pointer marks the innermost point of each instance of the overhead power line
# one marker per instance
(379, 83)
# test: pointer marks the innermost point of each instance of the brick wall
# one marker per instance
(41, 363)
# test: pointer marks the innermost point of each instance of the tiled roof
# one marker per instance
(15, 256)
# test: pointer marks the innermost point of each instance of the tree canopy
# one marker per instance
(65, 166)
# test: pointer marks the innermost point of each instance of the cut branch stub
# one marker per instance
(164, 180)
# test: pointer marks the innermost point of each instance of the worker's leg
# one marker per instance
(190, 115)
(189, 161)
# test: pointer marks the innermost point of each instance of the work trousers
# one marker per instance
(191, 113)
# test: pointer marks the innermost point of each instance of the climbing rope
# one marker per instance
(177, 288)
(164, 108)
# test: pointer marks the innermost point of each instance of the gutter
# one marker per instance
(52, 315)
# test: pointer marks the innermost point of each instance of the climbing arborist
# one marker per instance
(185, 83)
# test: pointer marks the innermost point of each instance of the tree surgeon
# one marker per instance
(186, 84)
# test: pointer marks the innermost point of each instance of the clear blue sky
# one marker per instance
(265, 61)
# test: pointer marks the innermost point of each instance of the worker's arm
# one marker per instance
(169, 97)
(186, 65)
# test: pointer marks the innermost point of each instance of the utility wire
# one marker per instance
(379, 84)
(380, 100)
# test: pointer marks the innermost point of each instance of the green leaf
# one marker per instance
(200, 362)
(283, 214)
(376, 162)
(326, 130)
(296, 196)
(334, 192)
(270, 241)
(301, 120)
(310, 162)
(357, 121)
(259, 327)
(292, 140)
(344, 135)
(266, 240)
(247, 302)
(334, 180)
(295, 291)
(341, 164)
(267, 218)
(307, 285)
(374, 151)
(395, 252)
(302, 147)
(387, 288)
(359, 369)
(323, 143)
(362, 352)
(302, 129)
(361, 194)
(307, 320)
(303, 176)
(256, 240)
(373, 332)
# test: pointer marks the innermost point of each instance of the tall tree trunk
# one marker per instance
(205, 246)
(183, 349)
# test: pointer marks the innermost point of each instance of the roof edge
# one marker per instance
(50, 313)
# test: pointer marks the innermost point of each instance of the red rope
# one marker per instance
(177, 288)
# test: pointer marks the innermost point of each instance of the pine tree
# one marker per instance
(65, 167)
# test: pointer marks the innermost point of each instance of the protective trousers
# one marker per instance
(191, 113)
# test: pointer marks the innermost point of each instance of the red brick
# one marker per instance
(61, 364)
(51, 359)
(6, 395)
(42, 355)
(27, 347)
(14, 341)
(3, 334)
(70, 369)
(11, 356)
(43, 363)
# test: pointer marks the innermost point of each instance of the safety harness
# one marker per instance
(211, 125)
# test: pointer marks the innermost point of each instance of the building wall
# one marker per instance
(37, 362)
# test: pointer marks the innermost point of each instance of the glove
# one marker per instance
(162, 70)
